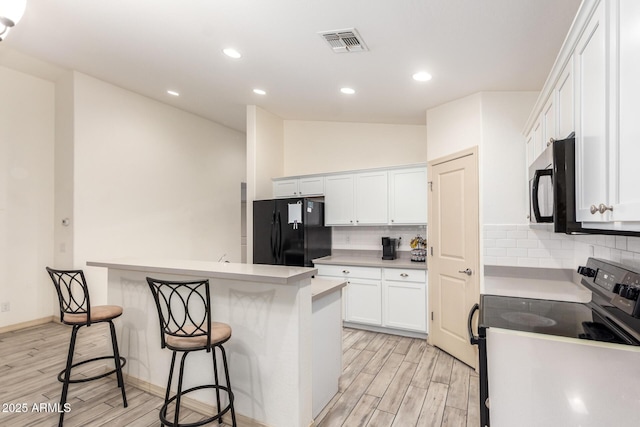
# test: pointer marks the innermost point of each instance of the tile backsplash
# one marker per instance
(538, 246)
(369, 237)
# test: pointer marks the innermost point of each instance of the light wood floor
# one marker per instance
(387, 381)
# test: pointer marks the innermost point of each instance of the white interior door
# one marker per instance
(454, 253)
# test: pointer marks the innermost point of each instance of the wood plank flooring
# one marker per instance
(387, 381)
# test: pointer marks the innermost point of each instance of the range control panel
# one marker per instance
(618, 282)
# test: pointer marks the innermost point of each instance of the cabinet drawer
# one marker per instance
(349, 271)
(405, 275)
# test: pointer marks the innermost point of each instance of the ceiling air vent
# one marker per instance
(342, 41)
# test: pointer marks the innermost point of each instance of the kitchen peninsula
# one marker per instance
(269, 309)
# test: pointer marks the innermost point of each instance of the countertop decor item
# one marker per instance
(418, 249)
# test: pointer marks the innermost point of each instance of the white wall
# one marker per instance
(454, 126)
(320, 147)
(150, 180)
(26, 196)
(502, 157)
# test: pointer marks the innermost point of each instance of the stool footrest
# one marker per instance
(61, 378)
(163, 409)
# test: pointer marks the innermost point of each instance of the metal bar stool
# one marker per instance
(184, 313)
(76, 310)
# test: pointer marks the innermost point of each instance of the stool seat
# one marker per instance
(220, 332)
(99, 313)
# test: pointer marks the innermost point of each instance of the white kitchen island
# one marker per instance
(269, 309)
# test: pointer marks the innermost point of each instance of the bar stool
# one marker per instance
(184, 313)
(76, 311)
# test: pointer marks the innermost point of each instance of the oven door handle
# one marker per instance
(534, 194)
(472, 338)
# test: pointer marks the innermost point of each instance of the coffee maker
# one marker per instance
(389, 248)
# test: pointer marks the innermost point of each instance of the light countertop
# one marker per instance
(535, 283)
(321, 286)
(276, 274)
(369, 259)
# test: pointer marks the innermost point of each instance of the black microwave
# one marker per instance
(552, 189)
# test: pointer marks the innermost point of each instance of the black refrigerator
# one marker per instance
(289, 232)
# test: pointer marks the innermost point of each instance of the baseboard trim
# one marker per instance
(27, 324)
(371, 328)
(188, 402)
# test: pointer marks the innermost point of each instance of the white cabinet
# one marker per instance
(362, 296)
(625, 146)
(592, 142)
(372, 203)
(408, 196)
(537, 138)
(405, 299)
(548, 122)
(339, 205)
(564, 102)
(298, 187)
(356, 199)
(394, 298)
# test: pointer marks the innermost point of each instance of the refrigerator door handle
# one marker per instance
(272, 237)
(279, 239)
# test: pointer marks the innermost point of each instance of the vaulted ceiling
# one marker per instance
(151, 46)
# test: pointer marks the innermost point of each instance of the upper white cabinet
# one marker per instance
(408, 196)
(625, 147)
(372, 203)
(356, 199)
(339, 208)
(596, 92)
(564, 102)
(298, 187)
(549, 122)
(590, 57)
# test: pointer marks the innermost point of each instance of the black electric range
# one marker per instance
(613, 314)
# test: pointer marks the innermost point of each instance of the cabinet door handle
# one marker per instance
(345, 271)
(603, 208)
(404, 275)
(551, 141)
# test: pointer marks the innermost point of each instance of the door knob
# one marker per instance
(468, 272)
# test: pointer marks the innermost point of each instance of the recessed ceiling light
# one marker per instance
(347, 90)
(422, 76)
(232, 53)
(259, 91)
(173, 93)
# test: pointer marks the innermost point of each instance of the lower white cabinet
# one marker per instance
(363, 301)
(392, 298)
(405, 297)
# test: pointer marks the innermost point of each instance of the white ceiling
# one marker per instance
(149, 46)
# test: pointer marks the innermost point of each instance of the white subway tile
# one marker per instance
(508, 261)
(489, 243)
(509, 227)
(539, 253)
(527, 243)
(621, 243)
(506, 243)
(496, 234)
(528, 262)
(495, 252)
(568, 244)
(523, 227)
(490, 260)
(611, 241)
(571, 264)
(633, 244)
(517, 252)
(491, 227)
(616, 255)
(602, 252)
(551, 244)
(519, 234)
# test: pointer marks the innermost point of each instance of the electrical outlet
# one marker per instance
(5, 306)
